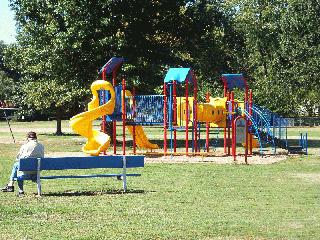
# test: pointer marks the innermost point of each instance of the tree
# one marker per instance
(57, 54)
(6, 77)
(60, 45)
(280, 53)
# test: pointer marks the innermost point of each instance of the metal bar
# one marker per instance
(250, 114)
(247, 106)
(38, 177)
(124, 173)
(123, 117)
(170, 116)
(165, 119)
(175, 115)
(208, 125)
(92, 176)
(195, 117)
(134, 115)
(234, 135)
(187, 116)
(114, 123)
(306, 143)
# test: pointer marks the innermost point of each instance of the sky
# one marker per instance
(7, 23)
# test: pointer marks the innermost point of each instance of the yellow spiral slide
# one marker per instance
(97, 141)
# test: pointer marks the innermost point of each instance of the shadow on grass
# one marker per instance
(94, 193)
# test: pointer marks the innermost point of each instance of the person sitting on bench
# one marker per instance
(30, 149)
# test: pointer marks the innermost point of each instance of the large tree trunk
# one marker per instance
(59, 128)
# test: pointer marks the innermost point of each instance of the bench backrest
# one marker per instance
(60, 163)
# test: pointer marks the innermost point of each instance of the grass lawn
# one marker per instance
(169, 201)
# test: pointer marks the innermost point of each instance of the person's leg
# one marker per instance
(13, 173)
(20, 186)
(9, 187)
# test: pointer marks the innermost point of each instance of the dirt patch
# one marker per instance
(217, 159)
(256, 159)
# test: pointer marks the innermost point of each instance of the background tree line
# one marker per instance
(61, 44)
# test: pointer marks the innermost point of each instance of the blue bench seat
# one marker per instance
(87, 162)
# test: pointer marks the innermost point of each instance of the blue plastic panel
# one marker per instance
(179, 74)
(149, 109)
(112, 65)
(234, 81)
(30, 164)
(117, 113)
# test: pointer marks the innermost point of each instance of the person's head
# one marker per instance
(31, 136)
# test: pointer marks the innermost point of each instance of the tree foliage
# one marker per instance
(61, 44)
(281, 52)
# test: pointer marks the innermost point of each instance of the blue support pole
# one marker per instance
(306, 143)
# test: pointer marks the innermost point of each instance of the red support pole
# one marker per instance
(114, 122)
(207, 125)
(123, 117)
(134, 115)
(175, 115)
(234, 135)
(246, 126)
(187, 117)
(225, 141)
(195, 117)
(104, 121)
(250, 113)
(103, 127)
(165, 119)
(228, 122)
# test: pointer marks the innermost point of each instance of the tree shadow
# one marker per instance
(59, 135)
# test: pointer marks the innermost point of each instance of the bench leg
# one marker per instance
(39, 187)
(124, 177)
(38, 178)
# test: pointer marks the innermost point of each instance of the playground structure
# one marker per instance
(242, 121)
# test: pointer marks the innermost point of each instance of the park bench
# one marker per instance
(86, 162)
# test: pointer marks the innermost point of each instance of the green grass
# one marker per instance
(169, 201)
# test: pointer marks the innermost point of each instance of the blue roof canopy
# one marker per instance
(112, 65)
(179, 74)
(234, 81)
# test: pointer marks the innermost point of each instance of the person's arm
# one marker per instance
(20, 153)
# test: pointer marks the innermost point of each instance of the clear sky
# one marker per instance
(7, 23)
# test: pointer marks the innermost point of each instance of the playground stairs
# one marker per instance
(272, 129)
